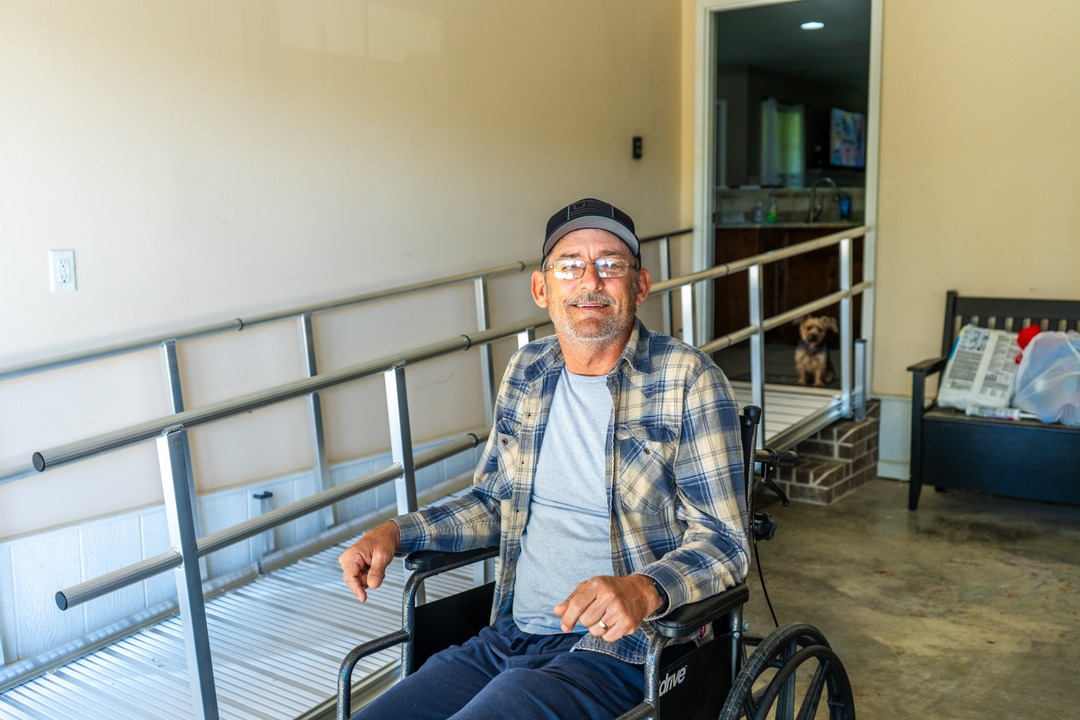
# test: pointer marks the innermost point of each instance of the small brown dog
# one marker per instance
(812, 361)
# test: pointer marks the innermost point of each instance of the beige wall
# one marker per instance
(210, 160)
(980, 165)
(206, 158)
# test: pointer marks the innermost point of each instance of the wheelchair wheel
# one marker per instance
(793, 662)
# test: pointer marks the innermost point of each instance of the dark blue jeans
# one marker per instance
(505, 673)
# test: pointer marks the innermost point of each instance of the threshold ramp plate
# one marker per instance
(792, 412)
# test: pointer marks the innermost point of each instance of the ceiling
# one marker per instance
(769, 38)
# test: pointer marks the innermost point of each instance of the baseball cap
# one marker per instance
(591, 213)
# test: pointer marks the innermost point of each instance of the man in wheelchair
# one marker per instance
(612, 483)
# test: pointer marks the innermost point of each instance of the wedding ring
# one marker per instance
(602, 624)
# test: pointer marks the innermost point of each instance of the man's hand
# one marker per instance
(364, 564)
(620, 603)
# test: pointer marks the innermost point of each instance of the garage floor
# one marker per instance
(966, 608)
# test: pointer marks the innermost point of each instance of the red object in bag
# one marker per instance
(1024, 337)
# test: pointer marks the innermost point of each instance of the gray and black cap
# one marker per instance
(595, 215)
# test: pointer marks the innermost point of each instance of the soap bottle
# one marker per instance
(770, 217)
(845, 207)
(759, 212)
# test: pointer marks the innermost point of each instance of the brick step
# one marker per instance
(835, 461)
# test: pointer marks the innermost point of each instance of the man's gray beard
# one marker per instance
(607, 333)
(612, 329)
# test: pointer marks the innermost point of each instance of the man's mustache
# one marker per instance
(594, 298)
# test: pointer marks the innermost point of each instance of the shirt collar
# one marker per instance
(636, 359)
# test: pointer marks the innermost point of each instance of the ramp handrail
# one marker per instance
(174, 454)
(238, 324)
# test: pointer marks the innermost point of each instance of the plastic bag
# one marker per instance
(1048, 380)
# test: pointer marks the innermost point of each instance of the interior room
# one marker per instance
(262, 266)
(790, 161)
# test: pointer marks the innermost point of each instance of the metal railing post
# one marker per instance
(845, 327)
(485, 572)
(861, 390)
(397, 404)
(176, 405)
(318, 433)
(686, 301)
(178, 503)
(260, 505)
(487, 368)
(757, 344)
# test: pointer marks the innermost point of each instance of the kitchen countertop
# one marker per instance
(827, 224)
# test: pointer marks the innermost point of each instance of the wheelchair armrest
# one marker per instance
(425, 561)
(687, 619)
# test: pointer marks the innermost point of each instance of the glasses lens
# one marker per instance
(611, 267)
(605, 267)
(568, 269)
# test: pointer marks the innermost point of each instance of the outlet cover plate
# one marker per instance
(62, 271)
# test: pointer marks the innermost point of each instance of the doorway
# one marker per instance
(752, 53)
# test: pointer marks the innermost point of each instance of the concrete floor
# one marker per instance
(968, 607)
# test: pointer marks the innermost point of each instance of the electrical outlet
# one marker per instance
(62, 270)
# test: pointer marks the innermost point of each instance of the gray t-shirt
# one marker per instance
(568, 535)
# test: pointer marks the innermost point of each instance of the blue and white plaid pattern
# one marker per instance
(674, 476)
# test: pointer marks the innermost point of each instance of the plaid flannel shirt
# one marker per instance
(674, 476)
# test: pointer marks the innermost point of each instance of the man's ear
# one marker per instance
(539, 289)
(644, 283)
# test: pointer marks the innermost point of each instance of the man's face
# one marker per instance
(591, 309)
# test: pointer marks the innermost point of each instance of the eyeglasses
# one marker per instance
(574, 268)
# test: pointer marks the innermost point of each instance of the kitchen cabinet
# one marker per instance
(786, 284)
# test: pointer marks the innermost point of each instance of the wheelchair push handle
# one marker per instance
(776, 458)
(770, 460)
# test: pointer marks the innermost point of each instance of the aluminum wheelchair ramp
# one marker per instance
(277, 642)
(276, 645)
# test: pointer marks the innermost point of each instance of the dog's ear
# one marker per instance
(831, 324)
(799, 321)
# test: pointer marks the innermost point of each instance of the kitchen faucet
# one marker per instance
(814, 213)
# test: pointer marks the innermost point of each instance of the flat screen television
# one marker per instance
(847, 139)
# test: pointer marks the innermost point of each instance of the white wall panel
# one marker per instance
(104, 547)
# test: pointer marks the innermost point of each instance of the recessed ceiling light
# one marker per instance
(812, 25)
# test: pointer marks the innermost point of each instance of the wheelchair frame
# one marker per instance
(764, 684)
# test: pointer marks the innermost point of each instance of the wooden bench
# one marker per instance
(1022, 458)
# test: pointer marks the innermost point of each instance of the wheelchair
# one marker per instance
(790, 674)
